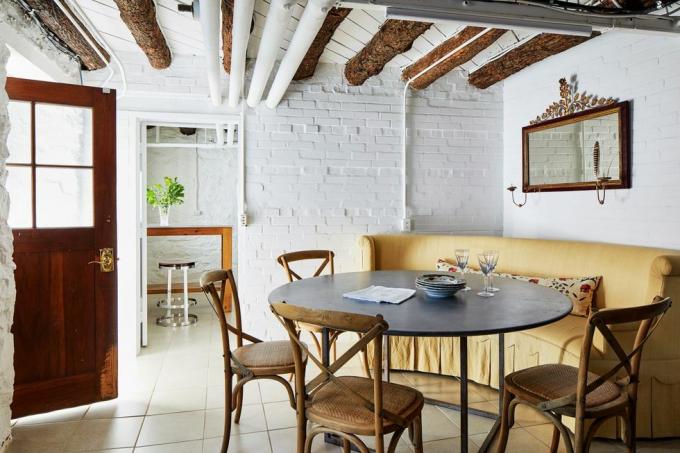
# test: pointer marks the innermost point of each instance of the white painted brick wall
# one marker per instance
(325, 166)
(643, 69)
(7, 288)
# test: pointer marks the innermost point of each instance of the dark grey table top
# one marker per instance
(517, 306)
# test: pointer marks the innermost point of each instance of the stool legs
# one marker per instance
(186, 295)
(168, 297)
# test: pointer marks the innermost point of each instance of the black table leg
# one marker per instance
(463, 396)
(501, 384)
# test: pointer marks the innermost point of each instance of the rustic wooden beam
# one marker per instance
(140, 18)
(333, 20)
(452, 61)
(533, 51)
(227, 25)
(393, 38)
(56, 21)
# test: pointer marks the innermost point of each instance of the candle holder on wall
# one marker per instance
(600, 181)
(512, 189)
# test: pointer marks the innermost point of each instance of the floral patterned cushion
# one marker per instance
(580, 290)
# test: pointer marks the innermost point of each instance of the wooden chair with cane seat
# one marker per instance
(327, 259)
(257, 360)
(561, 390)
(349, 406)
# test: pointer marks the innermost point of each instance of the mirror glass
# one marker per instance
(560, 154)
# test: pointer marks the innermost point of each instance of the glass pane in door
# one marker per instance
(63, 135)
(64, 197)
(19, 139)
(21, 195)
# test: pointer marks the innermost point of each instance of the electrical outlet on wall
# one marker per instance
(243, 219)
(406, 224)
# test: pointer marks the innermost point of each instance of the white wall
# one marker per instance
(644, 70)
(324, 167)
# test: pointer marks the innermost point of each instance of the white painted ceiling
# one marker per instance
(184, 35)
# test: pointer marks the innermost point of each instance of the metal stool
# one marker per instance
(183, 318)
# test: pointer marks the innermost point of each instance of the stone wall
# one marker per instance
(7, 288)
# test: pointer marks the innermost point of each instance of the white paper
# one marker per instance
(380, 294)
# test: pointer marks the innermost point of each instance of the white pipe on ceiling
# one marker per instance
(209, 18)
(274, 28)
(310, 23)
(243, 16)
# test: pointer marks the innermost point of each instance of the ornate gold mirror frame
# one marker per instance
(574, 107)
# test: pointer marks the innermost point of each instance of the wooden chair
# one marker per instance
(349, 406)
(257, 360)
(562, 390)
(327, 257)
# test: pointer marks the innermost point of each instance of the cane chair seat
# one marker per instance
(334, 407)
(268, 357)
(550, 382)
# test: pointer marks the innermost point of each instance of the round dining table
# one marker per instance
(516, 306)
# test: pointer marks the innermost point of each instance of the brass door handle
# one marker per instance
(106, 260)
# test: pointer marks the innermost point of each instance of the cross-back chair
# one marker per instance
(247, 362)
(562, 390)
(349, 406)
(327, 260)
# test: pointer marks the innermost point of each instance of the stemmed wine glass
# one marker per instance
(462, 258)
(486, 265)
(494, 254)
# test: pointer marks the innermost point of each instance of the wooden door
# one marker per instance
(62, 186)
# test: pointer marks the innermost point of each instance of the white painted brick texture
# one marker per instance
(325, 166)
(642, 69)
(7, 288)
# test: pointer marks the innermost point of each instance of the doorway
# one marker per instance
(199, 230)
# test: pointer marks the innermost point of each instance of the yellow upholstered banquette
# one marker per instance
(630, 276)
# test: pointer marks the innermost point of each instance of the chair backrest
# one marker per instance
(209, 284)
(648, 317)
(371, 329)
(326, 255)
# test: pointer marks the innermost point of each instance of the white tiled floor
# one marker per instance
(172, 401)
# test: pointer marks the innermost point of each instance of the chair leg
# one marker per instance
(317, 344)
(227, 416)
(555, 443)
(418, 434)
(239, 405)
(394, 440)
(631, 431)
(506, 422)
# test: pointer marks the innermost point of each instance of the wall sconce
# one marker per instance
(600, 184)
(600, 181)
(512, 189)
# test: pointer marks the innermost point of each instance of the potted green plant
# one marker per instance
(162, 196)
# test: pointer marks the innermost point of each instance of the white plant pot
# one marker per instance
(164, 215)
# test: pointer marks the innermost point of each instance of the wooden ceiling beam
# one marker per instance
(533, 51)
(58, 23)
(331, 23)
(454, 60)
(140, 18)
(227, 25)
(394, 37)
